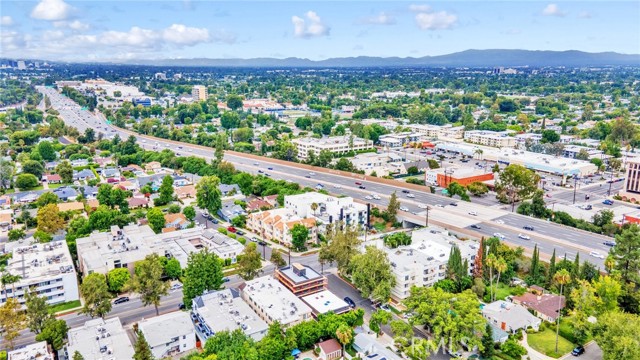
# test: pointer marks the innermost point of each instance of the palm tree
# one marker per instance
(479, 153)
(490, 263)
(314, 207)
(344, 333)
(500, 266)
(7, 279)
(562, 278)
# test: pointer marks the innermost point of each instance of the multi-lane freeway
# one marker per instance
(474, 219)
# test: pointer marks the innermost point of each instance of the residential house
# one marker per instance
(258, 204)
(71, 206)
(65, 193)
(79, 162)
(128, 185)
(368, 347)
(90, 192)
(103, 161)
(185, 192)
(5, 201)
(545, 306)
(153, 166)
(84, 174)
(330, 350)
(179, 180)
(169, 334)
(137, 202)
(230, 210)
(229, 190)
(50, 165)
(131, 168)
(110, 173)
(53, 178)
(176, 221)
(510, 317)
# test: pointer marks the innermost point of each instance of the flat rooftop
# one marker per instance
(324, 301)
(293, 272)
(40, 261)
(100, 339)
(37, 351)
(161, 329)
(275, 300)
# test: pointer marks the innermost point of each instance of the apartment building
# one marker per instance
(328, 209)
(436, 132)
(100, 339)
(225, 310)
(199, 93)
(169, 334)
(424, 262)
(333, 144)
(274, 302)
(399, 139)
(37, 351)
(499, 139)
(301, 279)
(276, 225)
(631, 189)
(122, 248)
(46, 269)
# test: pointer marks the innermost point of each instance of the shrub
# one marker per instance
(222, 230)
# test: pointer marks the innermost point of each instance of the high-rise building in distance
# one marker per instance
(199, 92)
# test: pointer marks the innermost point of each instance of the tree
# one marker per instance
(6, 174)
(208, 194)
(189, 212)
(345, 335)
(156, 219)
(276, 259)
(47, 151)
(393, 207)
(117, 279)
(477, 188)
(37, 312)
(549, 136)
(203, 273)
(299, 236)
(371, 274)
(626, 254)
(65, 170)
(234, 102)
(172, 268)
(26, 181)
(536, 271)
(552, 269)
(12, 320)
(47, 198)
(97, 300)
(343, 243)
(16, 234)
(33, 167)
(500, 266)
(165, 191)
(77, 356)
(147, 281)
(617, 334)
(378, 319)
(54, 333)
(561, 278)
(229, 120)
(401, 328)
(49, 219)
(249, 265)
(141, 349)
(490, 263)
(397, 239)
(488, 345)
(516, 183)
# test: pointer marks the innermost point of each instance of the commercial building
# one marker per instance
(437, 132)
(424, 262)
(225, 310)
(199, 93)
(273, 302)
(122, 248)
(397, 140)
(301, 279)
(325, 301)
(463, 176)
(510, 317)
(100, 339)
(276, 225)
(328, 209)
(169, 334)
(631, 189)
(37, 351)
(46, 269)
(382, 164)
(497, 139)
(333, 144)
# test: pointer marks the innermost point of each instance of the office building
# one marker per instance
(424, 262)
(37, 351)
(274, 302)
(100, 339)
(325, 301)
(301, 279)
(169, 334)
(631, 189)
(199, 93)
(225, 310)
(333, 144)
(436, 132)
(463, 176)
(45, 268)
(329, 210)
(497, 139)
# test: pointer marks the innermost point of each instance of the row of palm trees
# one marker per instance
(9, 279)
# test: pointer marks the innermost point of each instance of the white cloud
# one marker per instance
(440, 20)
(311, 26)
(380, 19)
(12, 41)
(73, 25)
(419, 8)
(584, 15)
(6, 21)
(553, 10)
(183, 35)
(52, 35)
(52, 10)
(134, 37)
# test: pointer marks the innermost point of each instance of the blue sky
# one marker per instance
(112, 30)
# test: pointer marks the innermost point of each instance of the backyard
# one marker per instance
(544, 341)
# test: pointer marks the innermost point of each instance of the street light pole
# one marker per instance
(427, 219)
(575, 188)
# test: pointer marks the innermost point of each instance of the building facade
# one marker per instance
(328, 209)
(631, 189)
(498, 139)
(333, 144)
(199, 93)
(169, 334)
(276, 225)
(300, 279)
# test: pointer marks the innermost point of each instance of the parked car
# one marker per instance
(262, 243)
(349, 301)
(239, 232)
(608, 202)
(176, 286)
(121, 300)
(225, 279)
(579, 350)
(181, 306)
(231, 229)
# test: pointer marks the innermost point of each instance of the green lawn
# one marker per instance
(380, 226)
(502, 291)
(55, 186)
(64, 306)
(545, 342)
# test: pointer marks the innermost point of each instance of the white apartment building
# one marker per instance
(122, 248)
(44, 268)
(535, 138)
(100, 339)
(199, 92)
(334, 144)
(436, 132)
(274, 302)
(169, 334)
(37, 351)
(225, 310)
(499, 139)
(424, 262)
(399, 139)
(329, 209)
(277, 224)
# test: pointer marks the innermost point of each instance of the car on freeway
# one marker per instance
(403, 208)
(312, 174)
(350, 301)
(361, 187)
(609, 243)
(528, 227)
(319, 187)
(269, 168)
(368, 197)
(375, 196)
(308, 176)
(608, 202)
(411, 196)
(596, 254)
(232, 229)
(337, 186)
(358, 183)
(476, 226)
(405, 191)
(499, 222)
(473, 213)
(121, 300)
(579, 350)
(438, 205)
(499, 235)
(524, 236)
(260, 172)
(422, 206)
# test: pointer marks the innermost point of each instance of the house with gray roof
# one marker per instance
(65, 193)
(229, 190)
(85, 174)
(229, 211)
(510, 317)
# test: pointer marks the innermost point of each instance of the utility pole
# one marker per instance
(427, 219)
(610, 182)
(575, 188)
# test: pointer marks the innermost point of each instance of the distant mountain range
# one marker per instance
(468, 58)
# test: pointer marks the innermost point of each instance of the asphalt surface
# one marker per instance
(455, 216)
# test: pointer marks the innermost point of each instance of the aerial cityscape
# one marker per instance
(259, 180)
